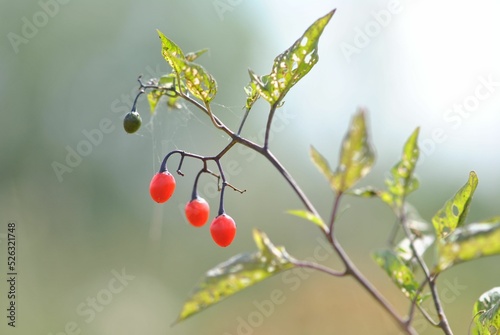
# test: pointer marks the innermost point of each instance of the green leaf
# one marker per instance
(399, 273)
(236, 274)
(494, 219)
(455, 210)
(293, 64)
(488, 306)
(165, 85)
(310, 217)
(171, 52)
(191, 56)
(356, 156)
(365, 192)
(153, 97)
(467, 243)
(402, 181)
(197, 80)
(321, 163)
(252, 94)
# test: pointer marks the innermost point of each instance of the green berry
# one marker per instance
(132, 122)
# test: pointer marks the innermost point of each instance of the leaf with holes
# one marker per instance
(309, 217)
(252, 95)
(399, 273)
(236, 274)
(455, 210)
(402, 181)
(467, 243)
(486, 312)
(196, 79)
(171, 52)
(356, 155)
(293, 64)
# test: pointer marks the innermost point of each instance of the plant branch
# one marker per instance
(443, 320)
(333, 215)
(353, 271)
(285, 174)
(318, 267)
(268, 125)
(240, 128)
(428, 317)
(414, 303)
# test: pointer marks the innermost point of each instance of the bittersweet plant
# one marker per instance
(454, 241)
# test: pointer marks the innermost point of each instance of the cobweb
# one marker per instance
(176, 128)
(171, 129)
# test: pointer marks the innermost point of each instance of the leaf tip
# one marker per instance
(330, 14)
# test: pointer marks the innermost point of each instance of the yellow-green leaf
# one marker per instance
(467, 243)
(153, 98)
(486, 313)
(197, 80)
(293, 64)
(402, 181)
(356, 155)
(236, 274)
(171, 52)
(365, 192)
(252, 94)
(455, 210)
(399, 273)
(310, 217)
(165, 88)
(494, 219)
(321, 163)
(191, 56)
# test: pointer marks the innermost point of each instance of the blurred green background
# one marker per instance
(69, 68)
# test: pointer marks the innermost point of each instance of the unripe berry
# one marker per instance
(162, 186)
(197, 211)
(223, 230)
(132, 122)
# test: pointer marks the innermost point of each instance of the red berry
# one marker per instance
(223, 230)
(162, 186)
(197, 212)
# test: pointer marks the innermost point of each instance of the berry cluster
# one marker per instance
(197, 210)
(162, 186)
